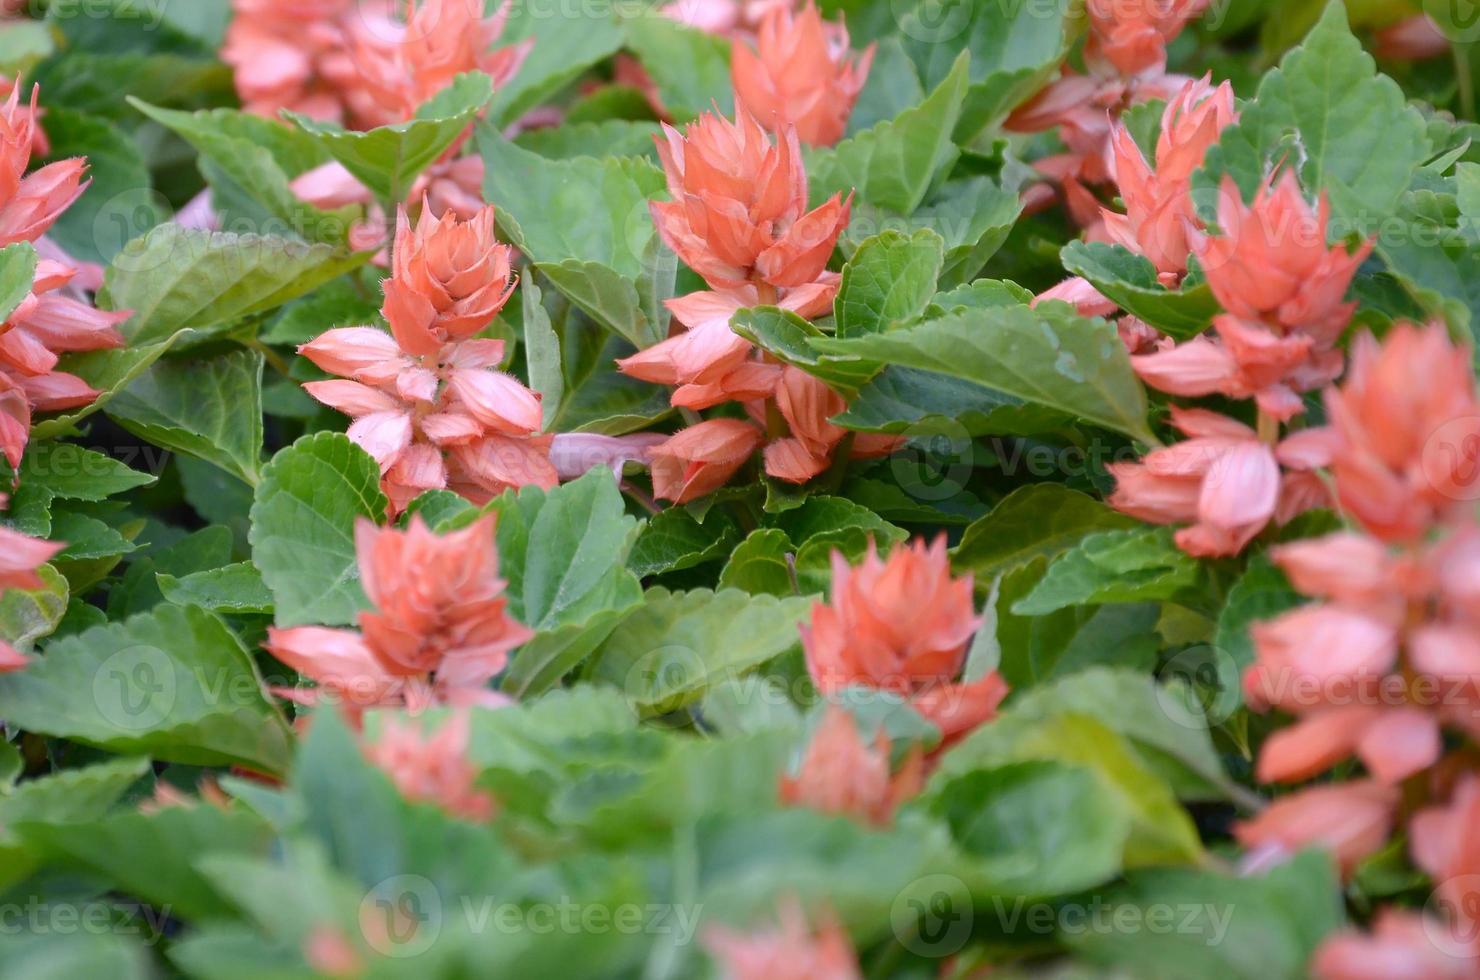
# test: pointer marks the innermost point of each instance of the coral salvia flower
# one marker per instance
(1270, 263)
(31, 203)
(329, 953)
(800, 74)
(1401, 946)
(294, 54)
(793, 951)
(1132, 35)
(1407, 428)
(432, 768)
(403, 67)
(20, 557)
(437, 632)
(1158, 200)
(1222, 481)
(1415, 38)
(738, 215)
(902, 625)
(1350, 820)
(701, 458)
(841, 773)
(807, 404)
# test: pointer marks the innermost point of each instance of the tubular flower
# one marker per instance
(1351, 820)
(1132, 35)
(1415, 38)
(20, 556)
(1401, 946)
(437, 632)
(1159, 210)
(702, 458)
(1222, 480)
(402, 65)
(806, 404)
(432, 769)
(738, 213)
(294, 54)
(902, 625)
(427, 401)
(792, 952)
(800, 75)
(841, 773)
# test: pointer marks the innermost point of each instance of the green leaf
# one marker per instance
(1130, 280)
(1048, 356)
(71, 795)
(246, 155)
(905, 401)
(303, 528)
(542, 353)
(63, 955)
(71, 472)
(584, 222)
(680, 644)
(690, 68)
(894, 164)
(564, 554)
(388, 159)
(119, 202)
(1042, 828)
(1014, 51)
(559, 56)
(888, 281)
(760, 564)
(108, 372)
(827, 519)
(673, 540)
(234, 588)
(27, 615)
(1467, 185)
(174, 683)
(175, 278)
(87, 537)
(1260, 594)
(1357, 137)
(1041, 519)
(789, 338)
(1262, 927)
(17, 273)
(209, 409)
(1113, 566)
(607, 138)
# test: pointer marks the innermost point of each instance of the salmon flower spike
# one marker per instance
(1159, 210)
(294, 54)
(807, 404)
(329, 953)
(794, 951)
(437, 631)
(1415, 38)
(738, 215)
(1401, 946)
(840, 773)
(403, 67)
(701, 458)
(1270, 263)
(902, 625)
(31, 203)
(1132, 35)
(433, 768)
(800, 74)
(1350, 820)
(1406, 424)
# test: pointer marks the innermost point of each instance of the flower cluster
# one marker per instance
(432, 768)
(437, 632)
(427, 399)
(1390, 654)
(902, 625)
(841, 773)
(794, 951)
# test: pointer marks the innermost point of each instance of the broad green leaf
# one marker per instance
(22, 44)
(1041, 519)
(564, 554)
(87, 537)
(97, 81)
(561, 52)
(119, 202)
(303, 528)
(17, 273)
(894, 164)
(1433, 258)
(761, 564)
(71, 472)
(1047, 356)
(1467, 186)
(388, 159)
(207, 408)
(893, 84)
(63, 955)
(348, 301)
(1015, 49)
(1259, 595)
(1131, 565)
(108, 372)
(174, 683)
(888, 281)
(175, 278)
(71, 795)
(1257, 927)
(680, 644)
(1357, 137)
(607, 138)
(906, 401)
(789, 338)
(234, 588)
(248, 156)
(542, 353)
(27, 615)
(1042, 828)
(690, 68)
(826, 519)
(674, 540)
(1130, 280)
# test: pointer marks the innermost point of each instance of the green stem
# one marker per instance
(1464, 79)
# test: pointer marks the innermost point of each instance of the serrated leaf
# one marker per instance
(673, 540)
(1048, 356)
(606, 138)
(680, 644)
(17, 273)
(303, 528)
(1130, 280)
(789, 338)
(557, 57)
(889, 280)
(176, 278)
(910, 402)
(1113, 566)
(234, 588)
(27, 615)
(174, 683)
(71, 472)
(120, 201)
(388, 159)
(1039, 520)
(87, 537)
(210, 409)
(760, 564)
